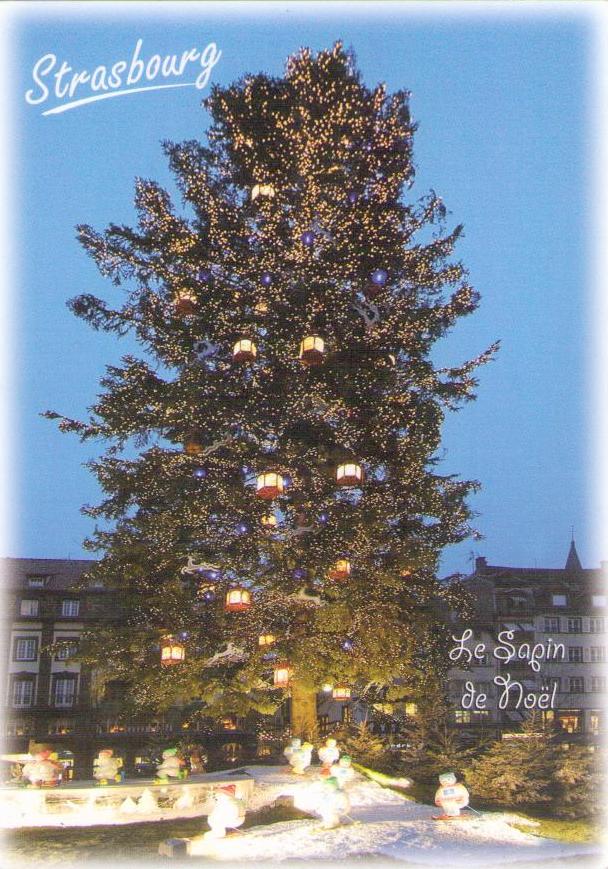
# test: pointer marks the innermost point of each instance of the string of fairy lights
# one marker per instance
(295, 446)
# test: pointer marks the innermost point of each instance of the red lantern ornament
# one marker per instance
(171, 652)
(244, 350)
(312, 349)
(341, 692)
(340, 570)
(349, 474)
(238, 600)
(270, 485)
(185, 303)
(281, 675)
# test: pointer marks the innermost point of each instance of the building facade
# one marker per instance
(555, 618)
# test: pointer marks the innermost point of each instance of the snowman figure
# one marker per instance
(451, 796)
(171, 766)
(333, 804)
(228, 813)
(329, 753)
(301, 758)
(294, 745)
(343, 771)
(106, 767)
(43, 770)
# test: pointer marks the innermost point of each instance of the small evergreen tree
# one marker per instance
(580, 782)
(517, 771)
(365, 747)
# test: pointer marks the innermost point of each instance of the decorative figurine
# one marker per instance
(451, 796)
(43, 770)
(343, 771)
(228, 813)
(106, 767)
(171, 766)
(294, 745)
(329, 753)
(300, 758)
(333, 804)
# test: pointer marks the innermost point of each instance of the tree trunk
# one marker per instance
(303, 711)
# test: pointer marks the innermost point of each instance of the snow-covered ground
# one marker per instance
(385, 825)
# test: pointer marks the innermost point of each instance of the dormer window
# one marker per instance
(559, 600)
(37, 581)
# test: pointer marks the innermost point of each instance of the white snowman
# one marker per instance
(343, 771)
(300, 758)
(294, 745)
(171, 766)
(329, 753)
(43, 770)
(106, 767)
(333, 804)
(228, 813)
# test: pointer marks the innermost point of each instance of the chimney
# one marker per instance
(480, 565)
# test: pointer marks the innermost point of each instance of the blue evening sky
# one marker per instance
(503, 110)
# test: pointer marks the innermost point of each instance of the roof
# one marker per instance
(62, 573)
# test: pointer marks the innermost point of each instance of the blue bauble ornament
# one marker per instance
(323, 518)
(209, 596)
(204, 275)
(299, 573)
(242, 528)
(347, 645)
(266, 279)
(287, 481)
(352, 197)
(200, 473)
(379, 277)
(184, 635)
(308, 238)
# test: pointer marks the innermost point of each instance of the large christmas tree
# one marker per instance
(283, 513)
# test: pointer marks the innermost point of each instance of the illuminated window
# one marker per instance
(569, 720)
(559, 600)
(411, 709)
(462, 716)
(595, 722)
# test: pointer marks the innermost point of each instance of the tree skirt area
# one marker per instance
(384, 827)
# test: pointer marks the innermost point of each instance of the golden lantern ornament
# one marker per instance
(269, 522)
(281, 675)
(171, 651)
(262, 190)
(266, 640)
(244, 350)
(349, 474)
(340, 570)
(238, 600)
(341, 692)
(185, 303)
(269, 485)
(312, 349)
(193, 445)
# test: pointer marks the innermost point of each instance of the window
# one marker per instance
(569, 720)
(60, 726)
(577, 684)
(552, 681)
(598, 683)
(462, 716)
(575, 625)
(29, 607)
(595, 722)
(482, 660)
(346, 714)
(67, 649)
(37, 581)
(20, 727)
(64, 691)
(596, 625)
(25, 649)
(598, 599)
(575, 654)
(481, 713)
(23, 692)
(598, 654)
(558, 599)
(70, 607)
(551, 624)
